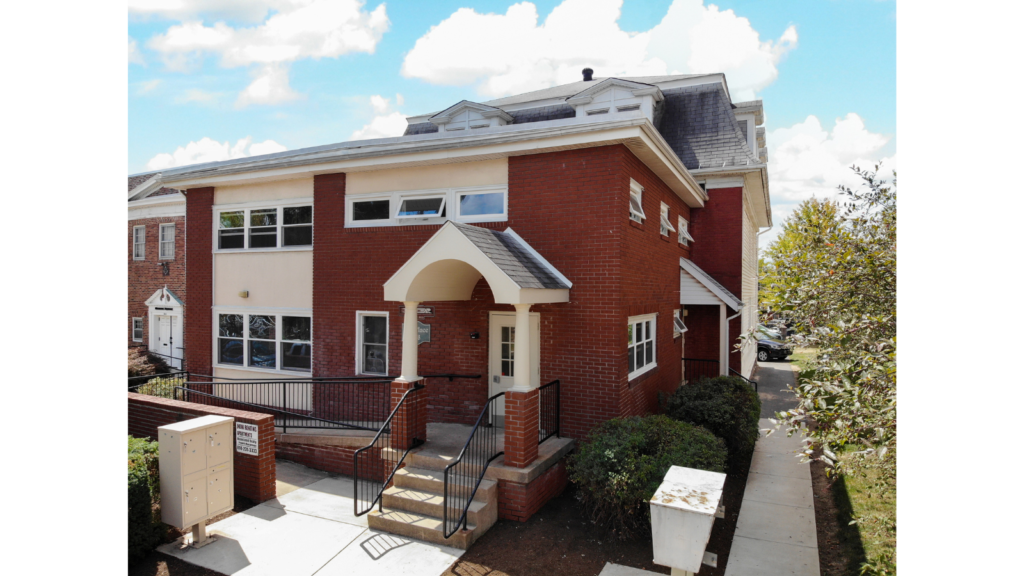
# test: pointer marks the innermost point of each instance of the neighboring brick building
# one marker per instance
(593, 233)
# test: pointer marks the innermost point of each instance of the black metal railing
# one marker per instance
(353, 403)
(747, 380)
(451, 377)
(463, 476)
(157, 384)
(165, 357)
(550, 410)
(696, 368)
(374, 465)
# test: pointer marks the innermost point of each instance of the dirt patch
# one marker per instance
(560, 541)
(840, 550)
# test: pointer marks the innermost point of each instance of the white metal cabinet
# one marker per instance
(196, 470)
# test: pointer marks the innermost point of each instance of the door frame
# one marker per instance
(161, 304)
(491, 348)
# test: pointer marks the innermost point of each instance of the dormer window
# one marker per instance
(666, 224)
(596, 112)
(614, 95)
(628, 108)
(636, 207)
(468, 115)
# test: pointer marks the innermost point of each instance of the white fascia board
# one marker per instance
(734, 182)
(167, 206)
(537, 255)
(146, 188)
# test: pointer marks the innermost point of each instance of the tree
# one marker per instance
(832, 272)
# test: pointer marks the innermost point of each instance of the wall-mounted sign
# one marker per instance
(247, 439)
(422, 332)
(420, 310)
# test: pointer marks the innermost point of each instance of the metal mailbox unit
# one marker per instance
(682, 513)
(196, 473)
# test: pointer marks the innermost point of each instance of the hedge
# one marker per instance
(725, 405)
(143, 490)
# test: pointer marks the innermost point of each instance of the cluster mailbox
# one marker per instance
(196, 471)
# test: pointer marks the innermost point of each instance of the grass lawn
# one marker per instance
(803, 357)
(877, 511)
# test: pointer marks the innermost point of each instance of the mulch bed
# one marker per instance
(559, 540)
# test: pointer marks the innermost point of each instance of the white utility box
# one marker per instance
(196, 470)
(682, 513)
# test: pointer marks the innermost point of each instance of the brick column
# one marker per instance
(522, 422)
(409, 423)
(198, 326)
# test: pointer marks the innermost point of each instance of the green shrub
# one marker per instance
(143, 490)
(621, 464)
(138, 363)
(161, 387)
(728, 407)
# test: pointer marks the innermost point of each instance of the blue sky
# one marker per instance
(189, 76)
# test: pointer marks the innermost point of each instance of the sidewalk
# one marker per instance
(775, 533)
(310, 529)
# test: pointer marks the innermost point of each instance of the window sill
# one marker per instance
(642, 371)
(666, 238)
(636, 224)
(252, 250)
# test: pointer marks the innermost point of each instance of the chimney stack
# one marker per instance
(588, 75)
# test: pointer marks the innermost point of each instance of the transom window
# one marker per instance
(372, 346)
(477, 204)
(684, 232)
(167, 241)
(666, 223)
(265, 228)
(636, 206)
(139, 243)
(268, 341)
(641, 344)
(137, 329)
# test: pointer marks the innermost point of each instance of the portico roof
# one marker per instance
(698, 287)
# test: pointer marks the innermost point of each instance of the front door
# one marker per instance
(165, 338)
(502, 356)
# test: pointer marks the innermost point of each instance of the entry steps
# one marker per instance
(413, 507)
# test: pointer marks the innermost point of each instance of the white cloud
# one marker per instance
(269, 87)
(511, 53)
(246, 10)
(209, 150)
(386, 123)
(197, 95)
(134, 55)
(148, 86)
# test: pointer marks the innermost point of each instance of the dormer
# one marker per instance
(613, 95)
(467, 115)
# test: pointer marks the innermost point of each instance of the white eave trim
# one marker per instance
(146, 188)
(701, 276)
(539, 258)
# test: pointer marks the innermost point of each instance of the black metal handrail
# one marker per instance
(376, 474)
(697, 368)
(747, 380)
(463, 476)
(450, 377)
(359, 378)
(148, 351)
(188, 394)
(550, 399)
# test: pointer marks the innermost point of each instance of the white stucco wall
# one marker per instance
(466, 174)
(265, 191)
(273, 279)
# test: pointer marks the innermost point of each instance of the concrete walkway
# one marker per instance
(310, 529)
(775, 533)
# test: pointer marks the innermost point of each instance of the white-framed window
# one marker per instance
(372, 343)
(666, 222)
(167, 241)
(684, 232)
(435, 206)
(266, 341)
(636, 204)
(136, 329)
(265, 227)
(678, 326)
(139, 243)
(642, 348)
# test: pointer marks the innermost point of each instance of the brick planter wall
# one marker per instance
(520, 501)
(255, 476)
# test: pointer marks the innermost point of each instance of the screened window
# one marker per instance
(297, 229)
(137, 329)
(263, 228)
(167, 241)
(373, 343)
(268, 341)
(636, 208)
(641, 345)
(421, 207)
(231, 234)
(684, 232)
(139, 243)
(371, 210)
(666, 223)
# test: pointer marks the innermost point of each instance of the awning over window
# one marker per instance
(697, 287)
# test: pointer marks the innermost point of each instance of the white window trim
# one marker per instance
(666, 223)
(451, 202)
(246, 210)
(404, 197)
(635, 189)
(279, 332)
(677, 320)
(359, 341)
(160, 237)
(654, 343)
(141, 329)
(136, 244)
(684, 232)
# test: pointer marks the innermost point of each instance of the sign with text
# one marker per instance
(422, 332)
(247, 439)
(420, 310)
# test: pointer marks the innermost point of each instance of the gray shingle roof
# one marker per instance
(509, 255)
(699, 124)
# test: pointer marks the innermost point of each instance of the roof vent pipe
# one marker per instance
(588, 74)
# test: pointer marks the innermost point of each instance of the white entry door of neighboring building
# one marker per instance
(165, 339)
(502, 356)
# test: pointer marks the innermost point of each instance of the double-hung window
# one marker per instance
(167, 241)
(231, 235)
(138, 243)
(641, 344)
(684, 233)
(297, 229)
(265, 228)
(666, 222)
(136, 329)
(372, 343)
(471, 204)
(267, 341)
(636, 205)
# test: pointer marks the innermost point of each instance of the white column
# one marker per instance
(723, 341)
(521, 362)
(410, 343)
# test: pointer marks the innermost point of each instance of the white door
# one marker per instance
(165, 339)
(502, 356)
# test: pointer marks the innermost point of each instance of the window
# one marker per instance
(167, 241)
(370, 210)
(678, 327)
(372, 348)
(475, 204)
(636, 207)
(627, 108)
(139, 243)
(136, 329)
(666, 222)
(423, 207)
(596, 112)
(267, 341)
(640, 340)
(684, 233)
(265, 228)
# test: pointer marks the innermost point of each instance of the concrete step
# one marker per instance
(481, 513)
(427, 480)
(421, 527)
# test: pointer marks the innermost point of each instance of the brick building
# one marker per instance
(593, 233)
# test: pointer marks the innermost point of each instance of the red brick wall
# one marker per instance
(255, 476)
(146, 276)
(520, 501)
(199, 282)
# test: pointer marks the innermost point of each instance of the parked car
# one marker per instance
(770, 345)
